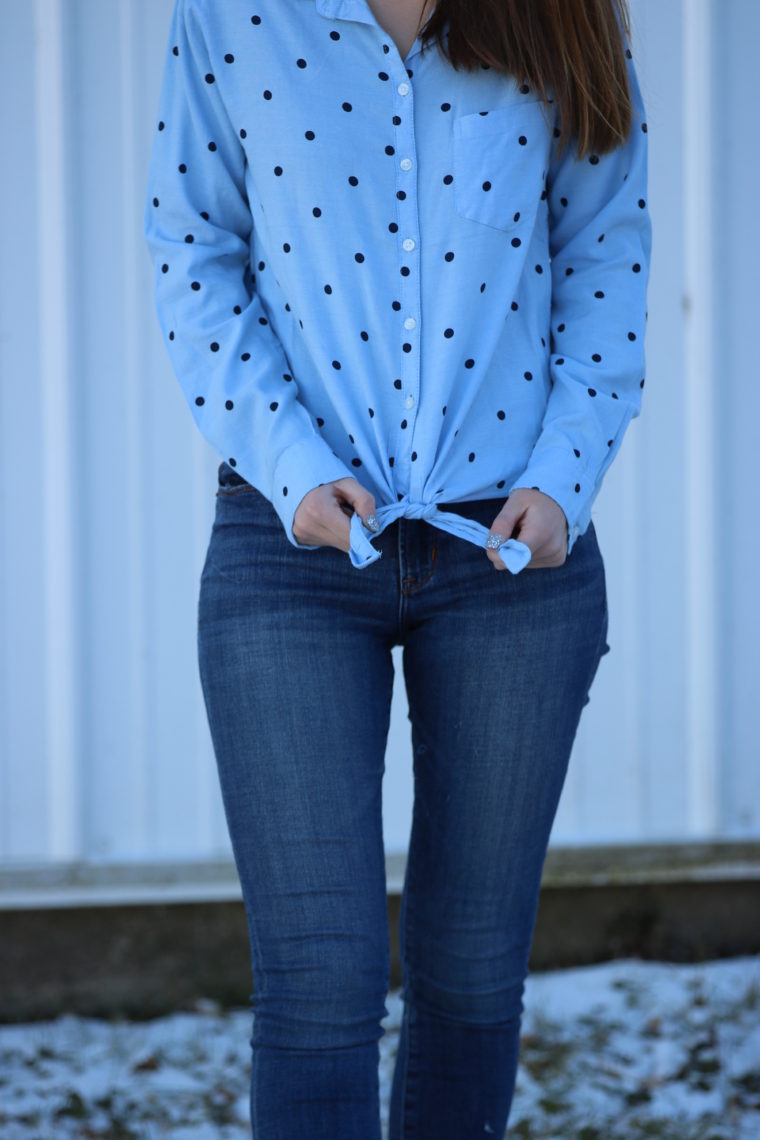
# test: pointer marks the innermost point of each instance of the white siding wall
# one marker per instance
(107, 489)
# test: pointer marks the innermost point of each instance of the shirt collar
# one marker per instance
(358, 10)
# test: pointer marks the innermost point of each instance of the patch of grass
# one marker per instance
(73, 1106)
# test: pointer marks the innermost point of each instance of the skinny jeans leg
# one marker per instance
(498, 668)
(297, 677)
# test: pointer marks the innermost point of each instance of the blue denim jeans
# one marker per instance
(297, 674)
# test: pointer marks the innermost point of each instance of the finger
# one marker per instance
(335, 524)
(324, 522)
(542, 537)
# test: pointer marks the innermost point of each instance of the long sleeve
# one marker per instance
(600, 245)
(230, 364)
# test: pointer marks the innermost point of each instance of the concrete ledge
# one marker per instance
(40, 885)
(137, 941)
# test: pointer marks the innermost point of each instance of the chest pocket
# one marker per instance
(500, 162)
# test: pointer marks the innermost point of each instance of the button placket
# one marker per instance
(410, 474)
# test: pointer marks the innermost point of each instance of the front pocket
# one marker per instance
(501, 160)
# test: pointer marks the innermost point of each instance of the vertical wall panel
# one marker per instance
(735, 529)
(25, 815)
(107, 488)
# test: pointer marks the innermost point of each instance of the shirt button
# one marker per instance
(410, 323)
(406, 164)
(408, 243)
(403, 88)
(409, 401)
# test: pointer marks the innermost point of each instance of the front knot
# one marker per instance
(411, 510)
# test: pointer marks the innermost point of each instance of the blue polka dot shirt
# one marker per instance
(382, 268)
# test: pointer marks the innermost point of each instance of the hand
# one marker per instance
(323, 517)
(537, 520)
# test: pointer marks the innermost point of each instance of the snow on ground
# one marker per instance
(618, 1051)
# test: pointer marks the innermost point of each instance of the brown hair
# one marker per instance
(575, 48)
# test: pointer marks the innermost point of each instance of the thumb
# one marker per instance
(362, 500)
(510, 515)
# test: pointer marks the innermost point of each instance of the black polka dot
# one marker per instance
(209, 78)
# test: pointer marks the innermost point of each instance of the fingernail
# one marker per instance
(371, 522)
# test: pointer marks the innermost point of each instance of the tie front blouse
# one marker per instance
(382, 268)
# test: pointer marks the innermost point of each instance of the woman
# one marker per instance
(402, 282)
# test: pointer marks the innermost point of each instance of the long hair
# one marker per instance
(571, 51)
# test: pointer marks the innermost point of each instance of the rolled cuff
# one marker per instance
(557, 475)
(300, 468)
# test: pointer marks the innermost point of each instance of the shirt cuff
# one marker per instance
(300, 468)
(555, 474)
